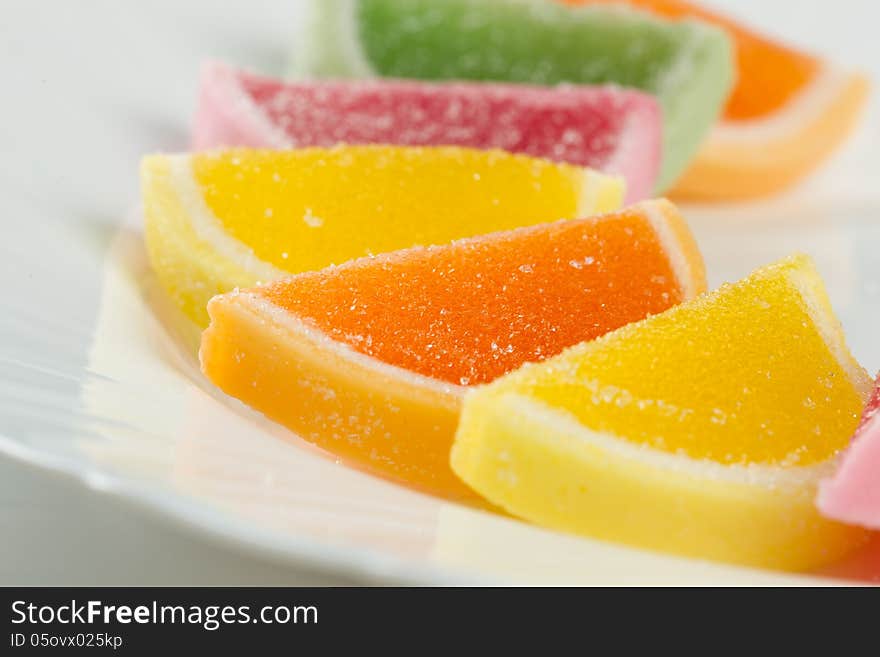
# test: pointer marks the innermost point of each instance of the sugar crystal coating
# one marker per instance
(327, 205)
(473, 310)
(701, 431)
(604, 128)
(742, 375)
(687, 65)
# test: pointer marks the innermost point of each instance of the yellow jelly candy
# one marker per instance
(701, 431)
(227, 219)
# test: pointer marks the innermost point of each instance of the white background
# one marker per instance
(90, 86)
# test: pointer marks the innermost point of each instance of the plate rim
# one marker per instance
(365, 565)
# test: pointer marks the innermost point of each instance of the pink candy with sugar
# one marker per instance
(605, 127)
(852, 495)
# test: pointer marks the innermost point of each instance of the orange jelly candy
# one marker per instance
(370, 359)
(787, 113)
(769, 72)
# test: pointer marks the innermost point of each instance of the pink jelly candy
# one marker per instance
(852, 495)
(607, 128)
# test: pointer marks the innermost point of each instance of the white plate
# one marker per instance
(98, 379)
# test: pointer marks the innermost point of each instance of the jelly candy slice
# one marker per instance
(609, 129)
(787, 113)
(369, 359)
(701, 431)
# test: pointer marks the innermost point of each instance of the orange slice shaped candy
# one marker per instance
(370, 359)
(787, 113)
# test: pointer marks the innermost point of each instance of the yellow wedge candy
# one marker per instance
(227, 219)
(701, 431)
